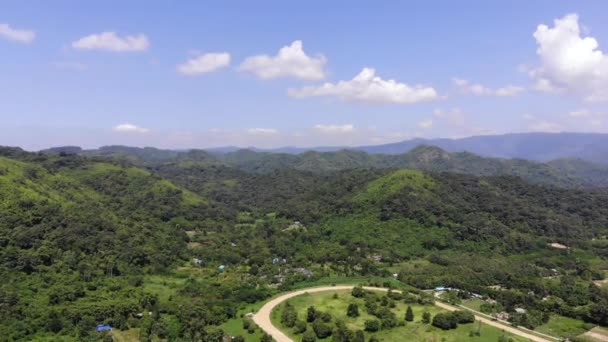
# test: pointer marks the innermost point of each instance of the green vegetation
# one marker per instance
(374, 320)
(200, 240)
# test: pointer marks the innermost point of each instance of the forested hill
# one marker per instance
(85, 239)
(562, 172)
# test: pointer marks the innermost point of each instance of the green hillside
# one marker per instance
(87, 240)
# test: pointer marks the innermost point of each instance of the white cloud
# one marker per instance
(21, 36)
(262, 131)
(331, 129)
(110, 41)
(580, 113)
(290, 61)
(130, 128)
(479, 90)
(536, 124)
(204, 63)
(367, 87)
(569, 62)
(425, 124)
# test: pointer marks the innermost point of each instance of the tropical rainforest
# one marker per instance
(174, 244)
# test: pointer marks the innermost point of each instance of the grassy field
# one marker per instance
(234, 327)
(596, 334)
(563, 327)
(411, 331)
(473, 303)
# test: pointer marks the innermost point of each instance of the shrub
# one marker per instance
(426, 317)
(463, 316)
(372, 325)
(309, 336)
(409, 314)
(445, 321)
(321, 329)
(299, 327)
(358, 291)
(353, 310)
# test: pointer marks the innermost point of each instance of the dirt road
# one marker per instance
(262, 317)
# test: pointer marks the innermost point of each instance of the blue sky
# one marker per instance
(108, 72)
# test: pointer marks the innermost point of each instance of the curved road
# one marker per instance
(262, 317)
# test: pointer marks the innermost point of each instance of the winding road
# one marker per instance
(262, 317)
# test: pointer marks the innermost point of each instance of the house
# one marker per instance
(275, 261)
(103, 327)
(502, 316)
(377, 257)
(558, 245)
(233, 244)
(303, 270)
(520, 310)
(221, 268)
(395, 275)
(440, 289)
(197, 261)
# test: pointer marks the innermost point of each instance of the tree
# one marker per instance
(342, 333)
(463, 316)
(372, 325)
(311, 314)
(352, 310)
(445, 321)
(215, 334)
(289, 316)
(426, 317)
(299, 327)
(359, 336)
(358, 291)
(266, 338)
(409, 314)
(309, 336)
(321, 329)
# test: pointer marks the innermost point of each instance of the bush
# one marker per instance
(321, 329)
(353, 310)
(289, 316)
(409, 314)
(372, 325)
(299, 327)
(445, 321)
(463, 316)
(309, 336)
(426, 317)
(358, 292)
(311, 314)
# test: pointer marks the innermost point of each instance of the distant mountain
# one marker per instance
(533, 146)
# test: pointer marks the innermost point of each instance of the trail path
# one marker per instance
(262, 317)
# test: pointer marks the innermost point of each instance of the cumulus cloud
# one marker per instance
(290, 61)
(262, 131)
(569, 62)
(367, 87)
(425, 124)
(130, 128)
(477, 89)
(17, 35)
(110, 41)
(335, 128)
(204, 63)
(579, 113)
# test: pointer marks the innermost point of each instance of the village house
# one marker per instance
(502, 316)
